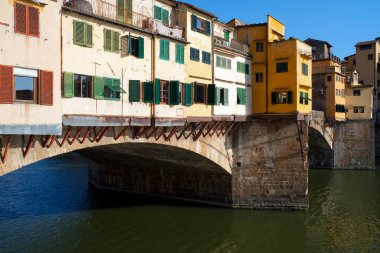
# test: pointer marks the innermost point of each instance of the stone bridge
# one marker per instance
(256, 163)
(345, 144)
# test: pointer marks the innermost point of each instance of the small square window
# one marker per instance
(259, 77)
(357, 93)
(370, 57)
(259, 46)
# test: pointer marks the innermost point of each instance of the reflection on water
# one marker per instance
(49, 207)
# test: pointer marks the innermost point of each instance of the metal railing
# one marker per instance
(110, 11)
(234, 44)
(323, 56)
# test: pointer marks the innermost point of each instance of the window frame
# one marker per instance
(27, 24)
(259, 47)
(81, 84)
(197, 51)
(35, 90)
(305, 69)
(196, 85)
(280, 67)
(164, 93)
(259, 77)
(356, 93)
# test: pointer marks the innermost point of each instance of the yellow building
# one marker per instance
(281, 69)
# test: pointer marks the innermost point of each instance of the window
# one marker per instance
(161, 14)
(329, 78)
(194, 54)
(370, 57)
(282, 97)
(365, 47)
(206, 57)
(187, 94)
(242, 68)
(112, 88)
(259, 77)
(200, 25)
(281, 67)
(241, 96)
(148, 92)
(354, 62)
(358, 109)
(132, 46)
(301, 97)
(82, 86)
(223, 63)
(199, 93)
(305, 69)
(259, 46)
(164, 95)
(25, 87)
(26, 20)
(339, 108)
(179, 54)
(164, 50)
(304, 98)
(111, 41)
(134, 91)
(82, 34)
(357, 93)
(124, 10)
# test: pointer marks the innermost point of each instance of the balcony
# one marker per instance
(232, 44)
(175, 32)
(109, 11)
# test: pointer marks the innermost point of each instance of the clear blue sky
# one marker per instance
(342, 23)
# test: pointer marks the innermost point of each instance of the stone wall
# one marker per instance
(270, 165)
(354, 145)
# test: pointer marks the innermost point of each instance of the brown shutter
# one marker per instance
(20, 18)
(46, 88)
(6, 84)
(33, 21)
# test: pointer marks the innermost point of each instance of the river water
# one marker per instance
(49, 207)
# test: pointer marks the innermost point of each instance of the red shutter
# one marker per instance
(20, 18)
(46, 88)
(6, 84)
(33, 21)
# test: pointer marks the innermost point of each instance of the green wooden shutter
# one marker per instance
(301, 97)
(79, 33)
(89, 35)
(174, 93)
(274, 95)
(226, 95)
(243, 96)
(208, 28)
(182, 52)
(157, 91)
(148, 92)
(177, 53)
(98, 88)
(188, 94)
(115, 42)
(120, 7)
(162, 49)
(193, 22)
(165, 17)
(134, 91)
(228, 64)
(129, 8)
(217, 96)
(290, 97)
(247, 69)
(68, 82)
(211, 89)
(306, 98)
(141, 48)
(157, 12)
(116, 83)
(107, 40)
(167, 50)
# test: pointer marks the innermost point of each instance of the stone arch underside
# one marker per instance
(320, 152)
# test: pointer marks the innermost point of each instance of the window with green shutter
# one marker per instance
(188, 94)
(306, 98)
(141, 48)
(134, 91)
(157, 12)
(174, 93)
(194, 54)
(242, 68)
(179, 54)
(98, 88)
(164, 50)
(148, 92)
(206, 57)
(157, 91)
(211, 90)
(111, 41)
(161, 14)
(112, 88)
(68, 83)
(83, 33)
(241, 96)
(246, 69)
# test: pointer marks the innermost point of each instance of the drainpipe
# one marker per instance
(153, 76)
(267, 69)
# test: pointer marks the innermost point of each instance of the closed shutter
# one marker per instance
(177, 53)
(165, 17)
(228, 64)
(68, 85)
(290, 97)
(211, 89)
(124, 46)
(174, 93)
(98, 88)
(115, 42)
(88, 35)
(6, 84)
(20, 18)
(129, 8)
(120, 9)
(107, 40)
(141, 48)
(134, 91)
(130, 44)
(243, 99)
(167, 50)
(157, 91)
(208, 28)
(157, 12)
(274, 95)
(188, 94)
(148, 92)
(226, 97)
(193, 22)
(217, 96)
(33, 22)
(162, 50)
(46, 88)
(247, 69)
(79, 33)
